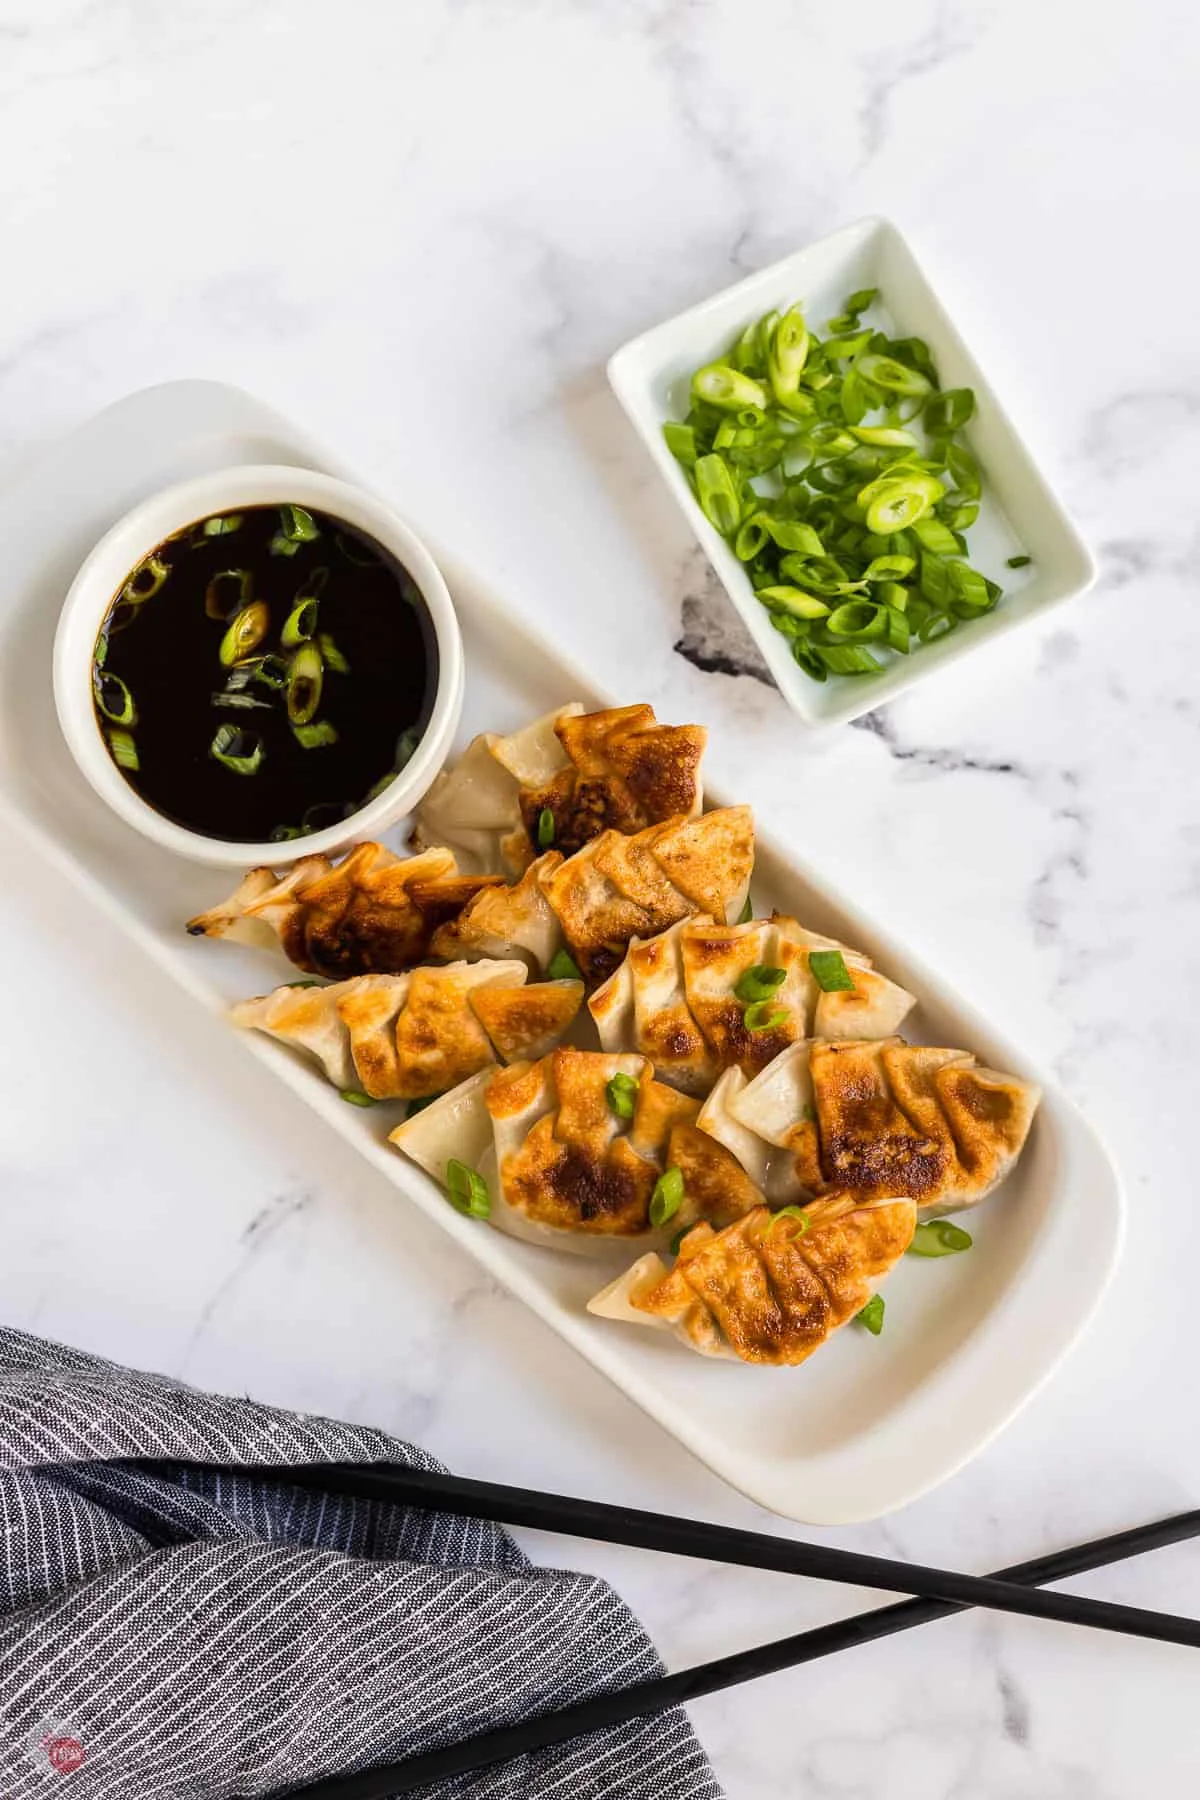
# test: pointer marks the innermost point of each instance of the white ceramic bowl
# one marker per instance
(132, 538)
(1020, 514)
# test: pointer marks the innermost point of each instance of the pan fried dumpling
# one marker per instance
(675, 998)
(885, 1117)
(457, 1126)
(617, 888)
(761, 1290)
(615, 769)
(505, 921)
(570, 1168)
(407, 1037)
(374, 912)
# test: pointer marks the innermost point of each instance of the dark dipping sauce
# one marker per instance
(181, 706)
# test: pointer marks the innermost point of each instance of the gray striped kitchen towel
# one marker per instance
(226, 1634)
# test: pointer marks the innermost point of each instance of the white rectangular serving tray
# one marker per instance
(869, 1423)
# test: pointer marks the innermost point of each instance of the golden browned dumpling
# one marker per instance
(616, 888)
(373, 912)
(563, 780)
(885, 1118)
(768, 1288)
(408, 1037)
(681, 998)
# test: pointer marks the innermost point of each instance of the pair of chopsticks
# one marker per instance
(938, 1593)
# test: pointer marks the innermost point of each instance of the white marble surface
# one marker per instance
(419, 229)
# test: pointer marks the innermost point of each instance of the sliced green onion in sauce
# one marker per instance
(300, 623)
(306, 677)
(245, 632)
(563, 967)
(240, 751)
(146, 580)
(231, 700)
(467, 1190)
(316, 735)
(297, 525)
(667, 1197)
(406, 745)
(872, 1315)
(621, 1093)
(759, 982)
(221, 525)
(272, 671)
(124, 751)
(333, 657)
(280, 545)
(545, 829)
(939, 1237)
(829, 971)
(114, 699)
(227, 592)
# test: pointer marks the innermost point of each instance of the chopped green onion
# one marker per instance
(316, 735)
(897, 504)
(272, 671)
(759, 982)
(886, 437)
(467, 1190)
(298, 526)
(762, 1016)
(677, 1240)
(124, 751)
(717, 493)
(545, 828)
(747, 912)
(621, 1093)
(146, 580)
(306, 677)
(949, 410)
(872, 1315)
(667, 1197)
(860, 300)
(889, 568)
(885, 372)
(936, 537)
(681, 442)
(221, 525)
(309, 981)
(113, 698)
(283, 546)
(227, 592)
(727, 388)
(233, 701)
(787, 354)
(803, 1221)
(857, 621)
(300, 623)
(829, 971)
(333, 657)
(563, 967)
(246, 631)
(1019, 562)
(351, 1096)
(418, 1106)
(939, 1238)
(793, 601)
(240, 751)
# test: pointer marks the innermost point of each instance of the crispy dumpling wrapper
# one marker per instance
(409, 1037)
(762, 1290)
(616, 769)
(884, 1118)
(675, 999)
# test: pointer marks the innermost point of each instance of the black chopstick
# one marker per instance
(536, 1511)
(622, 1704)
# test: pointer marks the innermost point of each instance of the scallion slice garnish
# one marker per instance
(467, 1190)
(333, 657)
(829, 971)
(1019, 562)
(245, 632)
(747, 912)
(722, 386)
(353, 1097)
(221, 525)
(667, 1197)
(718, 494)
(316, 735)
(762, 1016)
(240, 751)
(227, 592)
(272, 671)
(297, 525)
(871, 1315)
(563, 967)
(759, 982)
(146, 580)
(301, 622)
(939, 1237)
(124, 750)
(621, 1093)
(231, 700)
(803, 1222)
(113, 698)
(545, 829)
(306, 677)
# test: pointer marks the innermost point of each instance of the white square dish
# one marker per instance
(1021, 514)
(870, 1423)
